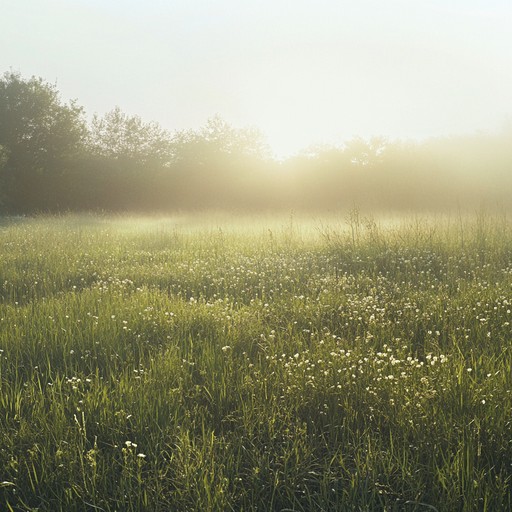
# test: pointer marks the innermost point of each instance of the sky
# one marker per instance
(302, 71)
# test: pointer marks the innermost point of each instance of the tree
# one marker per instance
(218, 140)
(365, 153)
(119, 136)
(128, 161)
(3, 161)
(41, 136)
(218, 165)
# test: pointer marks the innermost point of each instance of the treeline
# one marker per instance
(53, 160)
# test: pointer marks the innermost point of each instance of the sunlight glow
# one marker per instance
(307, 72)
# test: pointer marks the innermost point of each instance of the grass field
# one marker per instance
(202, 365)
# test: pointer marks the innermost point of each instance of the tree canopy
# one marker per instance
(52, 159)
(40, 136)
(119, 136)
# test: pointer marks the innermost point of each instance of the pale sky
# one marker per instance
(302, 71)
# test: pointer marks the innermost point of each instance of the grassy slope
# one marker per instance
(154, 365)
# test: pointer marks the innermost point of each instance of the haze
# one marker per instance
(302, 72)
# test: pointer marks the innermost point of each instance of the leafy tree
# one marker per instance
(3, 156)
(119, 136)
(127, 167)
(364, 153)
(218, 165)
(41, 136)
(216, 140)
(3, 161)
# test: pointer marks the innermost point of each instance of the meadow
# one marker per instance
(204, 364)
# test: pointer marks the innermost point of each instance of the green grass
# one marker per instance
(172, 364)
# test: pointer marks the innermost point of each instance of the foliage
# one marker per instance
(218, 138)
(127, 138)
(51, 160)
(218, 166)
(41, 137)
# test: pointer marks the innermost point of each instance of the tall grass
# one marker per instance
(162, 365)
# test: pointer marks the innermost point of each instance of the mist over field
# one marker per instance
(255, 256)
(198, 363)
(315, 106)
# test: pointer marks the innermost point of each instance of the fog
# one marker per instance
(311, 105)
(303, 72)
(53, 160)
